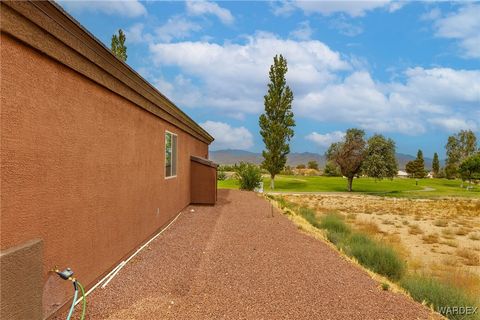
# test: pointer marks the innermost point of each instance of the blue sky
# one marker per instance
(407, 70)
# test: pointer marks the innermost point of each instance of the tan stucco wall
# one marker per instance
(203, 185)
(81, 168)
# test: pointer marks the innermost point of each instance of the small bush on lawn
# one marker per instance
(221, 175)
(378, 257)
(334, 223)
(248, 175)
(441, 296)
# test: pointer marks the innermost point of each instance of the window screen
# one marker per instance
(170, 154)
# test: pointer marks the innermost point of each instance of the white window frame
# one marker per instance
(176, 156)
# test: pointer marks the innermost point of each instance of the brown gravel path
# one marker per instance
(232, 261)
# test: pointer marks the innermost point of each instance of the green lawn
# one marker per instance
(397, 187)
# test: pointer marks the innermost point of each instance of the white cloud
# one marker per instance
(455, 124)
(228, 137)
(325, 140)
(303, 32)
(353, 8)
(198, 8)
(176, 27)
(126, 8)
(135, 34)
(407, 107)
(233, 77)
(464, 26)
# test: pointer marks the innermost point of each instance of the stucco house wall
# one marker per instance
(82, 150)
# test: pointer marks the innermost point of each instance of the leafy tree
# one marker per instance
(301, 166)
(435, 165)
(331, 170)
(312, 165)
(451, 171)
(349, 154)
(276, 124)
(248, 176)
(118, 46)
(470, 168)
(459, 147)
(380, 161)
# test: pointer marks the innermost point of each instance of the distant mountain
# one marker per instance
(235, 156)
(231, 156)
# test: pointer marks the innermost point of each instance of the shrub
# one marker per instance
(248, 175)
(439, 295)
(334, 223)
(309, 215)
(377, 257)
(312, 165)
(221, 175)
(287, 170)
(337, 238)
(331, 170)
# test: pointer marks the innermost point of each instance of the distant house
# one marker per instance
(402, 174)
(95, 160)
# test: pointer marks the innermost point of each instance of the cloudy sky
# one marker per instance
(408, 70)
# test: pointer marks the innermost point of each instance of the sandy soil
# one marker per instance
(235, 261)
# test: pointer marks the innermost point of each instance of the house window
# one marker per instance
(170, 154)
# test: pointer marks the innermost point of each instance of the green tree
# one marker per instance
(380, 161)
(331, 170)
(349, 154)
(301, 166)
(416, 168)
(411, 168)
(312, 165)
(435, 165)
(459, 147)
(118, 46)
(276, 124)
(420, 165)
(470, 168)
(248, 175)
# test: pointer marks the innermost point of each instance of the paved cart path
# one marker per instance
(233, 261)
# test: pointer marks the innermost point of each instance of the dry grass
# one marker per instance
(470, 258)
(474, 236)
(430, 238)
(448, 234)
(414, 229)
(450, 243)
(441, 223)
(439, 238)
(369, 227)
(462, 231)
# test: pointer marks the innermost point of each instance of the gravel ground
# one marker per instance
(234, 261)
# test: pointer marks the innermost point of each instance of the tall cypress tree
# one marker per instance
(420, 164)
(276, 123)
(435, 165)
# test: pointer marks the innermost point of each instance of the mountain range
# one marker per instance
(231, 156)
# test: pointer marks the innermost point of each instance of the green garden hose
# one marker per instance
(84, 301)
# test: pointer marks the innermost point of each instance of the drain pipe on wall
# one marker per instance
(106, 280)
